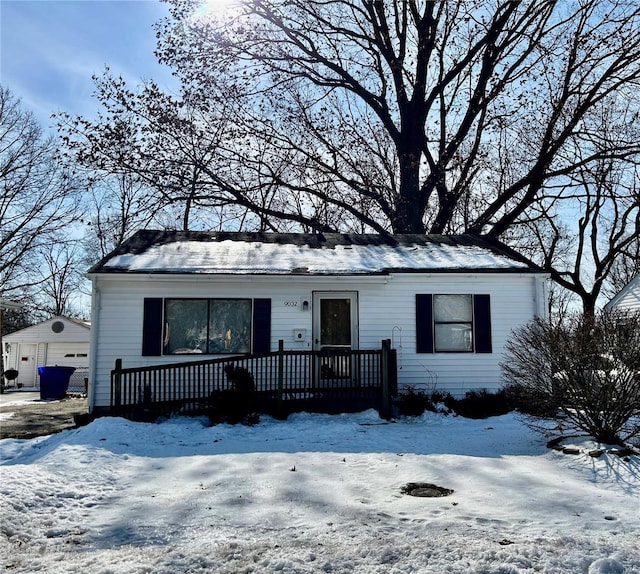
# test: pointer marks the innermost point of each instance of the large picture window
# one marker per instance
(209, 326)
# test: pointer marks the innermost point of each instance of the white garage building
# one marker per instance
(57, 341)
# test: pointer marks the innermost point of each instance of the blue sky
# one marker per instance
(49, 50)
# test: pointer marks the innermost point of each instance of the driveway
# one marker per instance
(24, 415)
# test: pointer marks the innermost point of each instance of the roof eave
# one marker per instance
(388, 271)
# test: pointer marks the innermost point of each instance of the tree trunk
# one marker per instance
(589, 304)
(410, 207)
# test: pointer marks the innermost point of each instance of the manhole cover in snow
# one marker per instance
(425, 490)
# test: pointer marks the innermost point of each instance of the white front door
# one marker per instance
(335, 332)
(26, 368)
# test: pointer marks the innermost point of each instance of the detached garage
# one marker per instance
(57, 341)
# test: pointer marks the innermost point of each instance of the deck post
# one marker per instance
(280, 377)
(384, 367)
(116, 399)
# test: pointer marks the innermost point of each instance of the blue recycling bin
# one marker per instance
(54, 381)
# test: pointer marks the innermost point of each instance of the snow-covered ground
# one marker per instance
(314, 493)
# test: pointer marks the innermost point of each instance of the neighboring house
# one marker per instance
(628, 298)
(447, 303)
(57, 341)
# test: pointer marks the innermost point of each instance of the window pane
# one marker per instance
(335, 322)
(229, 326)
(453, 337)
(448, 308)
(185, 326)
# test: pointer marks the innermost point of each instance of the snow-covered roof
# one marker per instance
(306, 254)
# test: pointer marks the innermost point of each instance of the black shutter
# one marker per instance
(424, 324)
(261, 325)
(482, 323)
(152, 328)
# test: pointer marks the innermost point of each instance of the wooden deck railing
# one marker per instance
(285, 381)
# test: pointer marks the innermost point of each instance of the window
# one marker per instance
(191, 326)
(207, 326)
(453, 324)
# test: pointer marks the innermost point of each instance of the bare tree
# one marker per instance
(36, 196)
(14, 320)
(609, 224)
(62, 281)
(589, 224)
(160, 151)
(373, 115)
(117, 205)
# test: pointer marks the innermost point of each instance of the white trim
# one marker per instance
(93, 345)
(381, 279)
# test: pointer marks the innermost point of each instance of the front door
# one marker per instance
(27, 365)
(335, 333)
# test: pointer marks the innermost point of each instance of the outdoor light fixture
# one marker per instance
(305, 305)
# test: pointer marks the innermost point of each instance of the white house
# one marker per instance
(628, 298)
(56, 341)
(447, 303)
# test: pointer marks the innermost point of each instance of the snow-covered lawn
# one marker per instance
(314, 493)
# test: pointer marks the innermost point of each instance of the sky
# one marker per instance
(315, 494)
(49, 50)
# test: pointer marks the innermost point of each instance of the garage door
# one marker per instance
(68, 354)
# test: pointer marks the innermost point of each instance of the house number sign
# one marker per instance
(291, 303)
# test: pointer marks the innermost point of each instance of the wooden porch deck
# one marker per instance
(284, 381)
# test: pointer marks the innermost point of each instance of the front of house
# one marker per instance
(446, 303)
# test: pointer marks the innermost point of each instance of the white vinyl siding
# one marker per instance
(386, 311)
(513, 303)
(628, 299)
(43, 333)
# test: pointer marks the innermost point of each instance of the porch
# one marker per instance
(284, 381)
